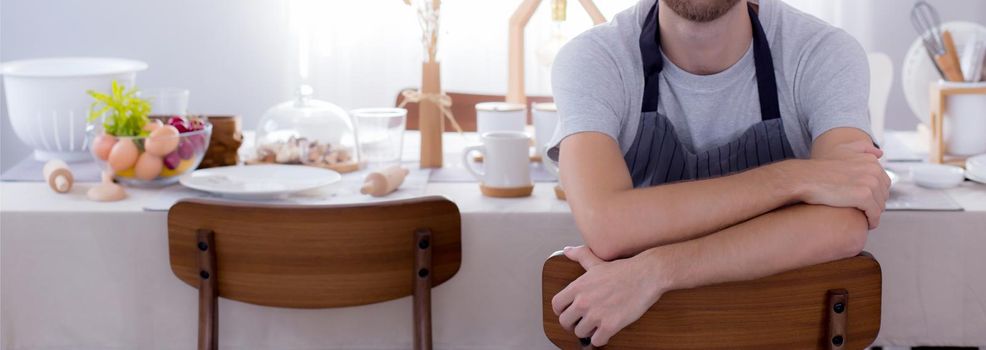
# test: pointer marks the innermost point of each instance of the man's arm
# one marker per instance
(619, 221)
(611, 295)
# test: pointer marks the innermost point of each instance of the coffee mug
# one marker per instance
(965, 121)
(545, 122)
(506, 160)
(546, 162)
(500, 116)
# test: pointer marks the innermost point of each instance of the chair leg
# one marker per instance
(422, 289)
(838, 311)
(208, 291)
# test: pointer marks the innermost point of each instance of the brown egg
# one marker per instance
(154, 124)
(148, 166)
(102, 145)
(123, 155)
(162, 141)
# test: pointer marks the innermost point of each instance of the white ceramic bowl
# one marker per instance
(937, 176)
(975, 168)
(47, 101)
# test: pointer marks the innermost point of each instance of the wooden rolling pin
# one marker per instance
(58, 175)
(383, 182)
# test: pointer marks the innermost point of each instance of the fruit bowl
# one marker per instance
(173, 148)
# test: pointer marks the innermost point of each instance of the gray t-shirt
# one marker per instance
(822, 81)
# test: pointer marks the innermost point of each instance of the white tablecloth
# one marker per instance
(81, 275)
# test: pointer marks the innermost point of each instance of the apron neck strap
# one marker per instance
(653, 64)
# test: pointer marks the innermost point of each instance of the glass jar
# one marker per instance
(307, 131)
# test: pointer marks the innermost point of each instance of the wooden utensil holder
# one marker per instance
(224, 145)
(939, 96)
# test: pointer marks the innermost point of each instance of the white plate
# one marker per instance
(937, 175)
(259, 181)
(918, 72)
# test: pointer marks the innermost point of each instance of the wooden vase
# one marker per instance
(431, 122)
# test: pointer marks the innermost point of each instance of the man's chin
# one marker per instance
(700, 10)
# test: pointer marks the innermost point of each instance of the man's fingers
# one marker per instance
(585, 327)
(874, 151)
(569, 318)
(601, 337)
(562, 300)
(873, 212)
(583, 256)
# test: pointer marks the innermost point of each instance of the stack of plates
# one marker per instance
(975, 168)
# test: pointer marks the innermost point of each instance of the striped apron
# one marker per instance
(657, 156)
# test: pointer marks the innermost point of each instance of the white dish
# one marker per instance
(937, 175)
(975, 168)
(918, 72)
(893, 177)
(259, 181)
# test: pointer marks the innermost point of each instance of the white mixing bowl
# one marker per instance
(47, 101)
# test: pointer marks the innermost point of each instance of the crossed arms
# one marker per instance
(752, 224)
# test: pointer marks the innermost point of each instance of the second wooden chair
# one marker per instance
(314, 256)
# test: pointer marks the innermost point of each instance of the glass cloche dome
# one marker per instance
(307, 131)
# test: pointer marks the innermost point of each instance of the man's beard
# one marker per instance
(700, 10)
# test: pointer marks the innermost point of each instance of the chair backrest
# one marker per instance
(464, 108)
(791, 310)
(315, 256)
(881, 79)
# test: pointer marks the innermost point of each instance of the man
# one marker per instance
(706, 141)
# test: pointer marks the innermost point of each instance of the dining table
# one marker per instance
(78, 274)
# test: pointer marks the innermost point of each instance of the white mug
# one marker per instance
(500, 116)
(545, 122)
(546, 162)
(506, 159)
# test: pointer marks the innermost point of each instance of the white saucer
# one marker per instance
(937, 176)
(975, 168)
(264, 181)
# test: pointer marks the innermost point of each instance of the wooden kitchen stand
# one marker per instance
(939, 95)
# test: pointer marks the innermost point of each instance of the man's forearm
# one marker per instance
(785, 239)
(628, 222)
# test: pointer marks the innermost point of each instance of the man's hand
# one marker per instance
(847, 175)
(608, 297)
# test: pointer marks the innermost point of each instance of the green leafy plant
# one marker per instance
(125, 113)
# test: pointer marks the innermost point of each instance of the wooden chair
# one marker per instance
(463, 108)
(828, 306)
(314, 256)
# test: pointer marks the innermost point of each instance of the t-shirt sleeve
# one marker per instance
(833, 87)
(588, 91)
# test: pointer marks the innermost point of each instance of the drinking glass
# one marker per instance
(166, 102)
(380, 133)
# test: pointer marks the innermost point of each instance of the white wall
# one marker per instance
(240, 56)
